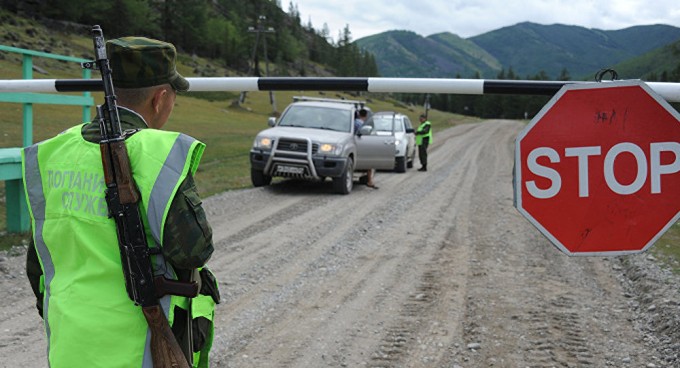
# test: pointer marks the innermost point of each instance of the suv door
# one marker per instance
(375, 151)
(410, 135)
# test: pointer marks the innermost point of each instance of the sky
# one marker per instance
(468, 18)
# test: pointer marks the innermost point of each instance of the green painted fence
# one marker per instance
(10, 158)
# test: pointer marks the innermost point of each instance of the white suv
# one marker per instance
(386, 122)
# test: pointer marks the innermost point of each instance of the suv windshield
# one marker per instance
(383, 123)
(317, 118)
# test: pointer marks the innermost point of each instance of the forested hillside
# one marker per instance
(659, 65)
(225, 30)
(524, 51)
(528, 49)
(407, 54)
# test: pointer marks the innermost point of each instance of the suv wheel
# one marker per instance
(400, 164)
(343, 183)
(259, 179)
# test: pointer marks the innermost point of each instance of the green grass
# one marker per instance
(667, 249)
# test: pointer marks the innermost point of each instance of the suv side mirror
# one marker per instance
(365, 130)
(271, 121)
(410, 130)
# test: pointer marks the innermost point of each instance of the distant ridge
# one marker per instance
(526, 48)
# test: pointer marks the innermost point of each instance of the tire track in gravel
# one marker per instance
(429, 321)
(372, 272)
(530, 305)
(419, 257)
(323, 228)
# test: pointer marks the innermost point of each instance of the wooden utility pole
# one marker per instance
(259, 28)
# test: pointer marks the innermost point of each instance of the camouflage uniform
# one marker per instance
(133, 68)
(187, 237)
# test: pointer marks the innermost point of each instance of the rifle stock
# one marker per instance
(165, 351)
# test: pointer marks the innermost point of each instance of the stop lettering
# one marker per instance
(598, 170)
(583, 154)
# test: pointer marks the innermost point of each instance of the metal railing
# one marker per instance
(10, 158)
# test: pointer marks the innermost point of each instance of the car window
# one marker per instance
(383, 123)
(317, 117)
(407, 123)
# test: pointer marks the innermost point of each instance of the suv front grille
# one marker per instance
(295, 146)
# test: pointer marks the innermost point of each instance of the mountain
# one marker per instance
(407, 54)
(652, 65)
(529, 48)
(526, 48)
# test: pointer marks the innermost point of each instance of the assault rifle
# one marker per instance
(122, 198)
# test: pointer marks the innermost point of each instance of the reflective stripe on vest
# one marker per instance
(31, 173)
(86, 304)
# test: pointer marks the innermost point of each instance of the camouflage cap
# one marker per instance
(138, 62)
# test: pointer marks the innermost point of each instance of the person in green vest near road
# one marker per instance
(423, 139)
(74, 263)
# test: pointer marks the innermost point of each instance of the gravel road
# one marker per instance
(434, 269)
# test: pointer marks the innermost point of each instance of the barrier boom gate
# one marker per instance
(669, 91)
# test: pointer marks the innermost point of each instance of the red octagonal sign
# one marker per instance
(597, 171)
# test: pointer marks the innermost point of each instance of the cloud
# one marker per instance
(468, 18)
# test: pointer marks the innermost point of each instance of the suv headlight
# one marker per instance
(263, 143)
(329, 148)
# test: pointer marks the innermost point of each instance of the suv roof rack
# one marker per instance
(318, 99)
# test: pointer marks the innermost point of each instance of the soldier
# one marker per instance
(74, 264)
(423, 139)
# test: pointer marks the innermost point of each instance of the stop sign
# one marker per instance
(597, 171)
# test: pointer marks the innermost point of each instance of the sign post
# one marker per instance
(597, 171)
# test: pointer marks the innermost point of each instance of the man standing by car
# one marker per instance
(358, 123)
(423, 139)
(359, 119)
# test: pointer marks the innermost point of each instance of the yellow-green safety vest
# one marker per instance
(89, 319)
(419, 137)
